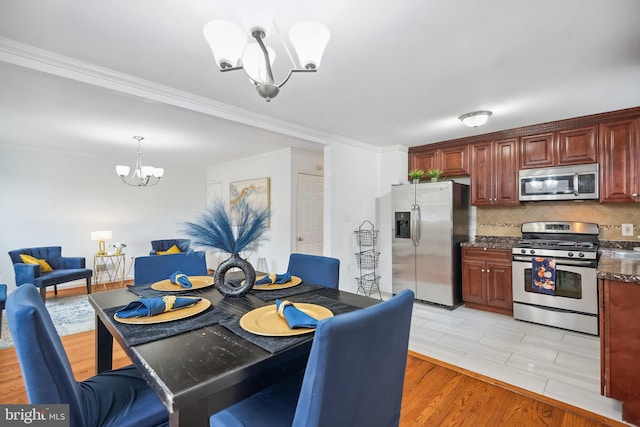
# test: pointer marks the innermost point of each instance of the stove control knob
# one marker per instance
(581, 255)
(532, 252)
(570, 254)
(523, 251)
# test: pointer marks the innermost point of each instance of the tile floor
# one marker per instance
(559, 364)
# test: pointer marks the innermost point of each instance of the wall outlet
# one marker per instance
(627, 229)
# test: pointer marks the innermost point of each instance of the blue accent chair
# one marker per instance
(153, 268)
(163, 245)
(316, 269)
(115, 398)
(354, 375)
(65, 269)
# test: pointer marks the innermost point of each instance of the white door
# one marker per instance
(309, 223)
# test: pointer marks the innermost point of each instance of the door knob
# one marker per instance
(300, 239)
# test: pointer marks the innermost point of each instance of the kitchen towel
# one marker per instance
(543, 272)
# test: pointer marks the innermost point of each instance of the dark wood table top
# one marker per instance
(205, 370)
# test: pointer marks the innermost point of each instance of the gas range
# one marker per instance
(572, 300)
(559, 239)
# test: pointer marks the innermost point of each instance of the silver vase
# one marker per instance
(230, 289)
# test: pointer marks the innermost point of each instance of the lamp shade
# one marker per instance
(475, 119)
(227, 41)
(101, 235)
(254, 64)
(309, 40)
(122, 170)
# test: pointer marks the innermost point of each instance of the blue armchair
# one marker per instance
(65, 269)
(163, 245)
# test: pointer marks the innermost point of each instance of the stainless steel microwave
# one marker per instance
(579, 182)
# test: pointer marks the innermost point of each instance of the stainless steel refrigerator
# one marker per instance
(430, 220)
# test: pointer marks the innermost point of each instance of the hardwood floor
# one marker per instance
(435, 393)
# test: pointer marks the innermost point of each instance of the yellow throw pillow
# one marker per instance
(44, 265)
(172, 250)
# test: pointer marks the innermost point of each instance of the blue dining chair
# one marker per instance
(153, 268)
(115, 398)
(354, 375)
(316, 269)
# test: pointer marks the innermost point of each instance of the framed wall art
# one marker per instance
(252, 191)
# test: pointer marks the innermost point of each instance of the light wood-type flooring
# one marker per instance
(435, 393)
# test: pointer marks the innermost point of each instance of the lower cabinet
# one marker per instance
(620, 346)
(486, 279)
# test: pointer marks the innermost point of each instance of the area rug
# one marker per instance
(70, 315)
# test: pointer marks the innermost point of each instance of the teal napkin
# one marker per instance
(179, 278)
(295, 318)
(156, 305)
(273, 278)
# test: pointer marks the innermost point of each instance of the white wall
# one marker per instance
(281, 167)
(57, 199)
(352, 174)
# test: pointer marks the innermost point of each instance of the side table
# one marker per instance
(109, 269)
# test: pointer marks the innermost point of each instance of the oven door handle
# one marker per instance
(577, 262)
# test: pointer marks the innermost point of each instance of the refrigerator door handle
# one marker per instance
(415, 224)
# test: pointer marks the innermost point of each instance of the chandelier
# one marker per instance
(232, 51)
(142, 176)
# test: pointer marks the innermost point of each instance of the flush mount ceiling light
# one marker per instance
(228, 42)
(475, 119)
(141, 176)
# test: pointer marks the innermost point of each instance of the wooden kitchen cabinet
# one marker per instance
(486, 279)
(620, 161)
(620, 346)
(494, 173)
(452, 161)
(573, 146)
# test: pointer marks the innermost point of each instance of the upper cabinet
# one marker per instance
(494, 176)
(452, 161)
(620, 161)
(559, 148)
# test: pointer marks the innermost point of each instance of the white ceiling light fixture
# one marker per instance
(141, 176)
(475, 119)
(228, 42)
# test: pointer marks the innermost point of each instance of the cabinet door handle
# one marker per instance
(488, 271)
(482, 270)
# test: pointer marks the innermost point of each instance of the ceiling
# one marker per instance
(85, 75)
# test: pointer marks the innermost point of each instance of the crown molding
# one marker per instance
(34, 58)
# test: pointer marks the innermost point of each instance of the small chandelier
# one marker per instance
(475, 119)
(228, 42)
(142, 176)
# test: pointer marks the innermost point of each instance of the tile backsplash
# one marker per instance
(506, 220)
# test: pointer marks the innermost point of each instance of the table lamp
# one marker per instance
(101, 236)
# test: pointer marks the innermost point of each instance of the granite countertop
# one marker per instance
(491, 242)
(614, 268)
(609, 267)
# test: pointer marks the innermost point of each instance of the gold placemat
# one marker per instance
(265, 320)
(168, 316)
(197, 282)
(295, 281)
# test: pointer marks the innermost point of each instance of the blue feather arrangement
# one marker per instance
(213, 228)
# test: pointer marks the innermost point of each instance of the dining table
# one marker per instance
(204, 363)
